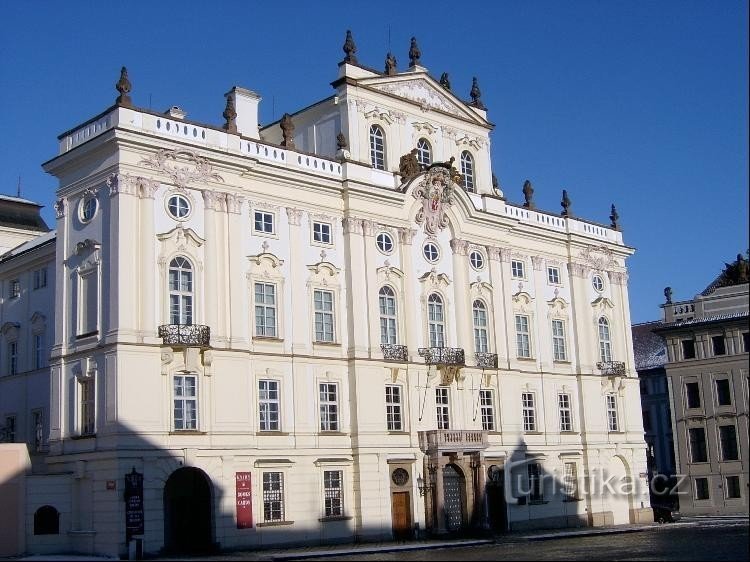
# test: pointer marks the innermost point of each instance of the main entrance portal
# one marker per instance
(453, 498)
(187, 512)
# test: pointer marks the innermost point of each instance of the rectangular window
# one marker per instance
(693, 395)
(697, 437)
(723, 395)
(529, 411)
(701, 489)
(553, 275)
(612, 422)
(333, 493)
(487, 407)
(323, 316)
(268, 405)
(566, 417)
(558, 341)
(718, 345)
(570, 481)
(87, 303)
(12, 357)
(394, 421)
(441, 408)
(38, 351)
(728, 441)
(536, 493)
(37, 422)
(10, 429)
(733, 487)
(322, 233)
(265, 310)
(273, 496)
(185, 402)
(87, 406)
(516, 269)
(745, 341)
(263, 222)
(14, 289)
(523, 342)
(40, 278)
(329, 407)
(688, 349)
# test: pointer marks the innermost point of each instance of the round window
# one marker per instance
(477, 260)
(431, 252)
(384, 242)
(178, 207)
(598, 283)
(87, 208)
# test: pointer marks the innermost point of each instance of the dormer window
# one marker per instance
(467, 171)
(377, 147)
(424, 152)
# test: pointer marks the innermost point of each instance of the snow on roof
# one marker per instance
(649, 348)
(19, 200)
(707, 319)
(29, 245)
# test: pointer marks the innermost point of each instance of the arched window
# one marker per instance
(46, 521)
(605, 345)
(180, 291)
(424, 152)
(388, 319)
(479, 311)
(436, 320)
(467, 170)
(377, 147)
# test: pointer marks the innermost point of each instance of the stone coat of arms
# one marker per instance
(436, 192)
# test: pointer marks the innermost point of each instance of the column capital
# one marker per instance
(459, 247)
(406, 235)
(579, 269)
(295, 215)
(234, 203)
(352, 225)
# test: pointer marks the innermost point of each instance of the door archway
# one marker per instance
(187, 512)
(619, 494)
(454, 497)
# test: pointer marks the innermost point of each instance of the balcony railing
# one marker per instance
(187, 335)
(486, 360)
(393, 352)
(443, 356)
(452, 440)
(611, 367)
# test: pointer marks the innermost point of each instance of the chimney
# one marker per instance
(246, 105)
(175, 112)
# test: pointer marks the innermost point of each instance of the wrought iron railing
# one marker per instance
(611, 367)
(185, 335)
(442, 355)
(393, 352)
(486, 360)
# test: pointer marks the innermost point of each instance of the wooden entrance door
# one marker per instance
(401, 515)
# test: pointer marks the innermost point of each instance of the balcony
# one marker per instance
(443, 356)
(393, 352)
(185, 335)
(486, 360)
(611, 367)
(450, 440)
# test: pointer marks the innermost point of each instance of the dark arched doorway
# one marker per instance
(454, 497)
(187, 512)
(496, 506)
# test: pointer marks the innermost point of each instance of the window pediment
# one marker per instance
(265, 265)
(181, 238)
(480, 289)
(558, 308)
(522, 301)
(601, 305)
(323, 273)
(434, 280)
(10, 330)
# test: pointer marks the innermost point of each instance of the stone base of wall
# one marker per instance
(642, 515)
(560, 522)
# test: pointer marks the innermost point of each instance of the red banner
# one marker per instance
(244, 496)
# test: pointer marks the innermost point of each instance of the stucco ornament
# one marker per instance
(599, 258)
(201, 171)
(436, 192)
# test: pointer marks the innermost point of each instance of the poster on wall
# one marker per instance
(244, 500)
(133, 504)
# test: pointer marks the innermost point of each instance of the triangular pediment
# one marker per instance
(423, 90)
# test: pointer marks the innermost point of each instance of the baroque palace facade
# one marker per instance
(333, 327)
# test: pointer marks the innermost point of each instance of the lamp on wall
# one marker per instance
(424, 486)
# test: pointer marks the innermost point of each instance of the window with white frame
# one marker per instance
(393, 415)
(612, 421)
(185, 400)
(523, 338)
(265, 310)
(323, 304)
(14, 288)
(37, 424)
(605, 344)
(479, 314)
(333, 493)
(570, 481)
(435, 320)
(476, 260)
(180, 291)
(87, 302)
(431, 252)
(322, 233)
(553, 275)
(88, 405)
(517, 270)
(263, 222)
(10, 429)
(39, 354)
(487, 409)
(12, 357)
(268, 405)
(377, 147)
(273, 496)
(598, 283)
(528, 410)
(559, 350)
(424, 152)
(467, 170)
(178, 207)
(442, 408)
(566, 416)
(536, 488)
(40, 278)
(329, 407)
(384, 243)
(388, 318)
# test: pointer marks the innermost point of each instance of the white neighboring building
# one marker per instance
(367, 353)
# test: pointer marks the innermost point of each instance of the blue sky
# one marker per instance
(639, 103)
